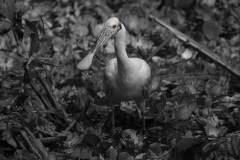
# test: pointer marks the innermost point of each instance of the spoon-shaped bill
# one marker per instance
(105, 35)
(86, 62)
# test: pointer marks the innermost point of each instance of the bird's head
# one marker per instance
(113, 24)
(111, 27)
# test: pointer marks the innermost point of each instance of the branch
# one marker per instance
(45, 103)
(160, 47)
(48, 91)
(220, 61)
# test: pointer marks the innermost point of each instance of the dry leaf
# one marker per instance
(211, 29)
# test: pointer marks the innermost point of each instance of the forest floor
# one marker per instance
(51, 110)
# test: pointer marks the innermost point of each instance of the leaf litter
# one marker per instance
(192, 111)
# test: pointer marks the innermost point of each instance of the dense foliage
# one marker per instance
(51, 110)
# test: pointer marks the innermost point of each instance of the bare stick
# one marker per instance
(160, 47)
(233, 70)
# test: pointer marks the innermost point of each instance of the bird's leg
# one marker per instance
(143, 122)
(113, 120)
(141, 106)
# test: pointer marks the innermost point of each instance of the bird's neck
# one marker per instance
(123, 61)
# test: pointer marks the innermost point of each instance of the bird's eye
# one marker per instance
(114, 26)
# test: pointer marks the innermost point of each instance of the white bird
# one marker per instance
(125, 79)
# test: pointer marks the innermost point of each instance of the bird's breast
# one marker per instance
(126, 88)
(126, 85)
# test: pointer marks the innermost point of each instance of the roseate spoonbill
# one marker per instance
(125, 79)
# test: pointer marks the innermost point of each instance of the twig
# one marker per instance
(56, 119)
(49, 93)
(52, 99)
(70, 126)
(40, 147)
(220, 61)
(85, 108)
(160, 47)
(50, 139)
(29, 132)
(188, 77)
(22, 145)
(45, 103)
(29, 144)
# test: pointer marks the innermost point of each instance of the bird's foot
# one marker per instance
(113, 131)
